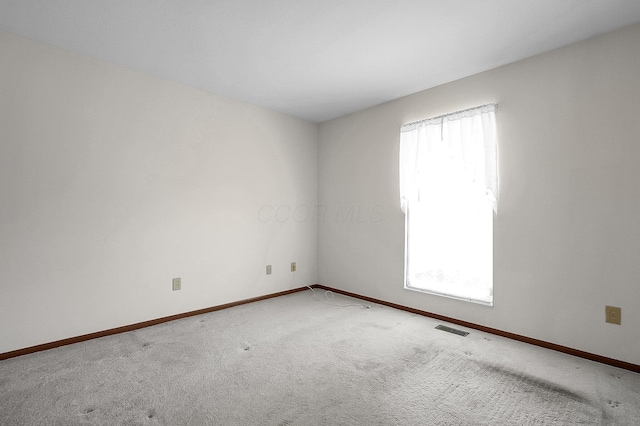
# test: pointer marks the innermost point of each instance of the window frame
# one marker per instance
(488, 141)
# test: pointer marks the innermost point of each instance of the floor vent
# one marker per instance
(451, 330)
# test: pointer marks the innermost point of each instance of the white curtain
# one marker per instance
(468, 136)
(449, 192)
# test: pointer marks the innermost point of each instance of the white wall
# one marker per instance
(113, 182)
(567, 234)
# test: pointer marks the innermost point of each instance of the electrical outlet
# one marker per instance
(293, 266)
(177, 284)
(268, 269)
(613, 314)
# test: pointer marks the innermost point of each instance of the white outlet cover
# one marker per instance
(177, 284)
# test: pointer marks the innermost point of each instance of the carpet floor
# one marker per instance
(303, 359)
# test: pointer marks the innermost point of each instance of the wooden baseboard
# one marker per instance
(575, 352)
(124, 329)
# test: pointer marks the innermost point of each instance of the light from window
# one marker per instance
(448, 188)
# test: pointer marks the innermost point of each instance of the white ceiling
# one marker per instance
(315, 59)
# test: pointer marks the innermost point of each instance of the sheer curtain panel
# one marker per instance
(449, 194)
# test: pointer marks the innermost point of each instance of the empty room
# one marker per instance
(319, 212)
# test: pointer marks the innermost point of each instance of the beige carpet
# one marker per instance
(296, 360)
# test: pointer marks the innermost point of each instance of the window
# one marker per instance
(448, 192)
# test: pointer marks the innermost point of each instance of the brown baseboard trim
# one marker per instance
(564, 349)
(124, 329)
(575, 352)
